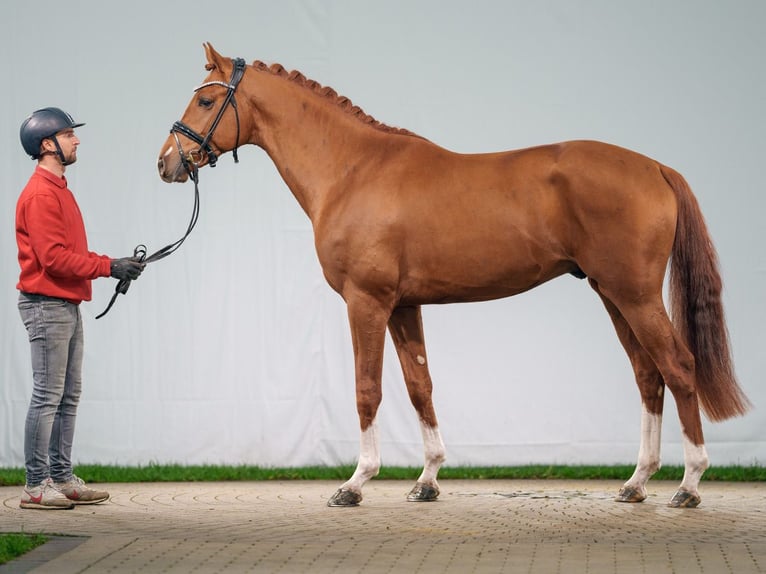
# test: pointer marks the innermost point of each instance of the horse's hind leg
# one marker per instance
(653, 330)
(651, 387)
(406, 328)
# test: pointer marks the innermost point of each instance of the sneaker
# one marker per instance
(44, 496)
(76, 491)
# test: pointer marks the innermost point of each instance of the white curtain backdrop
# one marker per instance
(235, 350)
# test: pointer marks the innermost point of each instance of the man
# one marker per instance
(56, 274)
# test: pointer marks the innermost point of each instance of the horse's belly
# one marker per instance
(459, 279)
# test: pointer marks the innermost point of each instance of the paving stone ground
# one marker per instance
(476, 526)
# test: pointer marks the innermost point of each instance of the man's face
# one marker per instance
(68, 142)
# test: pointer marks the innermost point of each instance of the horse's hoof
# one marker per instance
(345, 498)
(423, 493)
(630, 494)
(684, 499)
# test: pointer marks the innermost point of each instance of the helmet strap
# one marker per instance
(59, 152)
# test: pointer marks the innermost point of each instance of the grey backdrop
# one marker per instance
(234, 350)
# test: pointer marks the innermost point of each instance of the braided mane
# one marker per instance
(327, 92)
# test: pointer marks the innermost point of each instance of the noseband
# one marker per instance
(188, 160)
(192, 167)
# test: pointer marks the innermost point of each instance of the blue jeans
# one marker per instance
(55, 334)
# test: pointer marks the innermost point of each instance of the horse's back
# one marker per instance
(572, 201)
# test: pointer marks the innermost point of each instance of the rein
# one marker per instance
(192, 167)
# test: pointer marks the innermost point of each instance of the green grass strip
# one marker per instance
(210, 473)
(13, 545)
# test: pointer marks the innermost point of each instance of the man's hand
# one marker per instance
(127, 268)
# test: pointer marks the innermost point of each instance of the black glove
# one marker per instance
(127, 268)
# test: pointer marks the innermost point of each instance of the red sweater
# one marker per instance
(53, 247)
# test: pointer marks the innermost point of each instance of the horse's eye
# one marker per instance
(205, 103)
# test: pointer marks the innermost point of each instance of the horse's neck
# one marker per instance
(311, 140)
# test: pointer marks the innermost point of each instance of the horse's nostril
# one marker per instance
(161, 165)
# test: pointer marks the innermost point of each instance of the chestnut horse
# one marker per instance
(400, 222)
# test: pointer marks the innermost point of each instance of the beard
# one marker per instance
(70, 158)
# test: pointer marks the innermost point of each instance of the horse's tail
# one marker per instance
(696, 308)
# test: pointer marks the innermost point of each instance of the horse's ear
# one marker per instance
(214, 59)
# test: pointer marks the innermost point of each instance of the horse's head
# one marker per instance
(210, 125)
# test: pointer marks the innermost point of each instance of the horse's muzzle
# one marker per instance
(171, 169)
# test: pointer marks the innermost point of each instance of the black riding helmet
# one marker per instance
(42, 124)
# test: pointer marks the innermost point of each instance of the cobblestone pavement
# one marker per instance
(476, 526)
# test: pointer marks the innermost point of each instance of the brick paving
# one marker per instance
(476, 526)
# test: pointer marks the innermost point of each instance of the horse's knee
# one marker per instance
(367, 403)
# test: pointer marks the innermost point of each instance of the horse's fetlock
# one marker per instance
(369, 467)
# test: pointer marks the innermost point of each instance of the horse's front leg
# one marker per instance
(367, 318)
(406, 328)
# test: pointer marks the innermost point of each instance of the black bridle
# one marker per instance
(204, 141)
(191, 164)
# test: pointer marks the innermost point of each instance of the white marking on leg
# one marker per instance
(695, 463)
(433, 447)
(421, 360)
(369, 459)
(648, 452)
